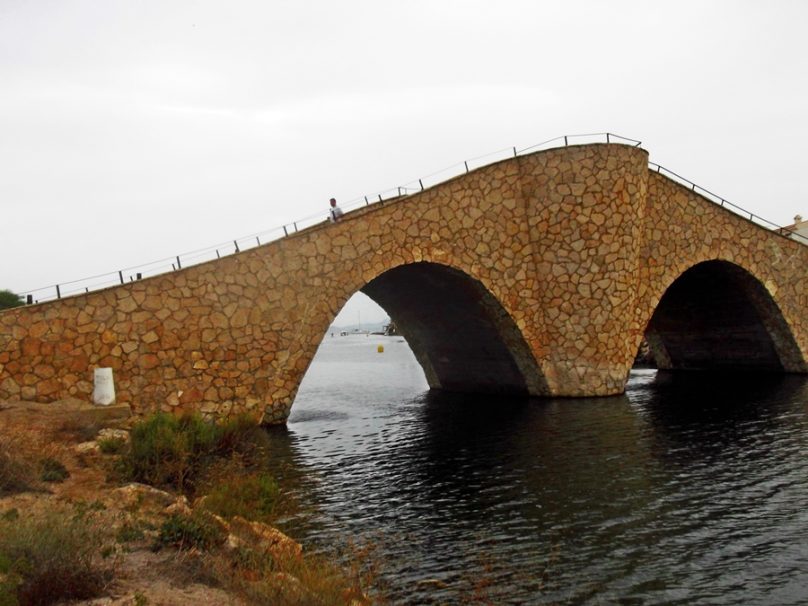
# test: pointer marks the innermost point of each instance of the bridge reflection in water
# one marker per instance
(688, 488)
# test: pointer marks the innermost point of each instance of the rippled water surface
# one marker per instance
(688, 489)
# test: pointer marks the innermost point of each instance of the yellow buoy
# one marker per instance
(380, 349)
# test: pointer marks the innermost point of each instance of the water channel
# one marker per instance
(687, 489)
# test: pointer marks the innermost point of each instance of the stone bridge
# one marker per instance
(536, 275)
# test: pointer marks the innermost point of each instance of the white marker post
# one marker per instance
(104, 387)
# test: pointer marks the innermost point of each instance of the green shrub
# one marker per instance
(243, 436)
(49, 560)
(165, 450)
(186, 532)
(253, 496)
(111, 445)
(9, 299)
(53, 471)
(130, 532)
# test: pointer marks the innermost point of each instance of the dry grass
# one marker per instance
(29, 455)
(17, 473)
(72, 429)
(193, 531)
(306, 580)
(52, 558)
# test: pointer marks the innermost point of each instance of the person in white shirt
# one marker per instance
(335, 212)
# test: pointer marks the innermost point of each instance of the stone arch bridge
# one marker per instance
(535, 275)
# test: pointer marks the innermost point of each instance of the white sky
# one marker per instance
(135, 130)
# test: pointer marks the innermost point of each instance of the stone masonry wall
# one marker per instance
(586, 216)
(570, 242)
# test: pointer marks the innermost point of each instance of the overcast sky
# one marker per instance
(135, 130)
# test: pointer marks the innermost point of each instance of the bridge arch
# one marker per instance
(459, 331)
(717, 315)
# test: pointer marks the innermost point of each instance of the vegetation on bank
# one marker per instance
(263, 578)
(253, 496)
(173, 452)
(223, 468)
(228, 463)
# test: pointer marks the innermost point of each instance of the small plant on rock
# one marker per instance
(188, 531)
(253, 496)
(111, 446)
(130, 532)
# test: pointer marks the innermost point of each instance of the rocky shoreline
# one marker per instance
(158, 546)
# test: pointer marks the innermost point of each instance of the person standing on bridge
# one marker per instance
(335, 212)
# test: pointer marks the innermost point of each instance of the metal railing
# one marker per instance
(230, 247)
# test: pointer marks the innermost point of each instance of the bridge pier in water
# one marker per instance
(537, 275)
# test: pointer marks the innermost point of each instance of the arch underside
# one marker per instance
(460, 334)
(717, 316)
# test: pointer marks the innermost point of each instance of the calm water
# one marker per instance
(685, 490)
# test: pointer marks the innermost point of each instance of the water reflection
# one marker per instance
(684, 490)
